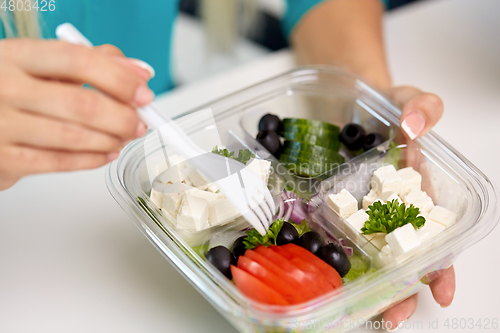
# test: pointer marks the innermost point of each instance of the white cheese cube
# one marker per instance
(172, 197)
(177, 160)
(212, 188)
(358, 219)
(185, 174)
(193, 213)
(343, 203)
(379, 240)
(442, 216)
(209, 196)
(419, 199)
(197, 178)
(157, 194)
(170, 176)
(369, 199)
(411, 181)
(429, 230)
(169, 216)
(221, 211)
(389, 196)
(385, 254)
(386, 179)
(386, 249)
(403, 239)
(261, 167)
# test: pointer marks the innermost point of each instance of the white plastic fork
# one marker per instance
(245, 189)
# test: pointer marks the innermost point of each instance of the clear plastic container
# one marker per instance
(338, 97)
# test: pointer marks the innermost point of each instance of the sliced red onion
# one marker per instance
(348, 250)
(281, 209)
(288, 210)
(298, 213)
(342, 241)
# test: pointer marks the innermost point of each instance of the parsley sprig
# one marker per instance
(254, 238)
(385, 218)
(243, 155)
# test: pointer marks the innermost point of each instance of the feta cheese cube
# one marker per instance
(177, 160)
(193, 213)
(429, 230)
(403, 239)
(358, 219)
(197, 178)
(442, 216)
(389, 196)
(170, 176)
(379, 240)
(172, 219)
(343, 203)
(172, 197)
(385, 254)
(221, 211)
(209, 196)
(411, 181)
(419, 199)
(185, 174)
(261, 167)
(386, 179)
(369, 199)
(157, 194)
(212, 188)
(386, 249)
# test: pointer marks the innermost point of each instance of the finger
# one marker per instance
(400, 312)
(142, 68)
(443, 287)
(420, 111)
(29, 160)
(109, 50)
(26, 128)
(85, 106)
(77, 63)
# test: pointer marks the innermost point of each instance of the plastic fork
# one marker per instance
(245, 189)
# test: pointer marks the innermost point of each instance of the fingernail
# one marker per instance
(113, 156)
(413, 124)
(144, 65)
(143, 96)
(445, 306)
(398, 326)
(141, 130)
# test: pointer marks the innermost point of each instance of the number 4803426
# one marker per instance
(28, 5)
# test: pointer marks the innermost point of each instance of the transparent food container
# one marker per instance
(337, 97)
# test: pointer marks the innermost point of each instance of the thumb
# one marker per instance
(420, 110)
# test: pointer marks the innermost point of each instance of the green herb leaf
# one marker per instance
(302, 228)
(243, 155)
(385, 218)
(254, 238)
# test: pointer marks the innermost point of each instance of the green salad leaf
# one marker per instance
(385, 218)
(302, 228)
(243, 155)
(254, 238)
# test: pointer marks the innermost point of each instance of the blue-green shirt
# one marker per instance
(141, 29)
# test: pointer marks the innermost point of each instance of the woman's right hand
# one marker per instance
(49, 122)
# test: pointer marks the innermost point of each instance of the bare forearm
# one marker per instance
(345, 33)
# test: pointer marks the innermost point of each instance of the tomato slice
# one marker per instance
(291, 277)
(303, 276)
(271, 280)
(254, 289)
(319, 279)
(331, 274)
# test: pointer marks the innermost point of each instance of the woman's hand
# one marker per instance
(49, 122)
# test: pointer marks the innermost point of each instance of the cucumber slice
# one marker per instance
(331, 157)
(306, 147)
(325, 131)
(312, 123)
(313, 167)
(317, 140)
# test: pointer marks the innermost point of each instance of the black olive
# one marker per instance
(238, 247)
(288, 234)
(352, 136)
(270, 122)
(270, 140)
(221, 258)
(372, 140)
(311, 241)
(334, 255)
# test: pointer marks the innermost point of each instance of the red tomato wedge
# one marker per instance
(319, 279)
(271, 280)
(292, 278)
(303, 276)
(331, 274)
(254, 289)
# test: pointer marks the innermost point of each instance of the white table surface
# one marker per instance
(72, 261)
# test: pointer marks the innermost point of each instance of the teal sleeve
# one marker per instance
(296, 9)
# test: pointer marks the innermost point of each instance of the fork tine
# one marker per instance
(254, 221)
(269, 200)
(265, 208)
(254, 205)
